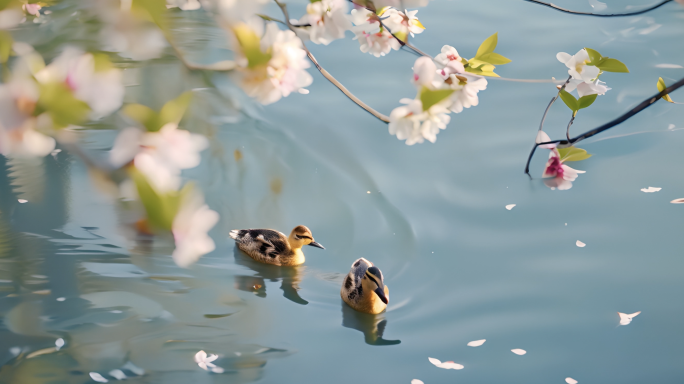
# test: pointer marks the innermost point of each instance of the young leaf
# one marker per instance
(173, 110)
(5, 46)
(494, 58)
(59, 102)
(594, 56)
(586, 101)
(612, 65)
(572, 154)
(144, 115)
(429, 97)
(569, 100)
(488, 45)
(251, 46)
(661, 87)
(161, 209)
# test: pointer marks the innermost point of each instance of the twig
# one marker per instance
(567, 130)
(541, 125)
(643, 105)
(328, 76)
(551, 5)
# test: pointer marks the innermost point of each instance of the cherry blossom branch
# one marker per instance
(625, 116)
(551, 5)
(380, 116)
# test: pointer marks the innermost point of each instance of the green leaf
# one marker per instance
(429, 97)
(102, 62)
(59, 102)
(612, 65)
(586, 101)
(661, 87)
(569, 100)
(173, 110)
(153, 9)
(480, 72)
(161, 208)
(401, 35)
(594, 56)
(144, 115)
(488, 45)
(251, 46)
(572, 154)
(5, 46)
(494, 58)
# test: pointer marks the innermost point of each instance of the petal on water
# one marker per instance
(476, 343)
(118, 374)
(627, 318)
(580, 244)
(510, 206)
(435, 361)
(677, 201)
(22, 201)
(59, 343)
(416, 381)
(570, 380)
(519, 351)
(650, 189)
(97, 377)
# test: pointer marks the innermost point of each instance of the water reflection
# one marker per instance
(290, 277)
(372, 326)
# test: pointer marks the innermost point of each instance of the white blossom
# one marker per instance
(578, 66)
(328, 20)
(102, 90)
(10, 18)
(205, 362)
(596, 87)
(409, 122)
(161, 155)
(465, 89)
(401, 23)
(285, 72)
(558, 175)
(190, 231)
(449, 61)
(372, 37)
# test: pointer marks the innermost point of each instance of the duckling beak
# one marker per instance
(315, 244)
(381, 294)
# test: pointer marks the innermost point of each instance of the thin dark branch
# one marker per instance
(567, 130)
(366, 107)
(551, 5)
(643, 105)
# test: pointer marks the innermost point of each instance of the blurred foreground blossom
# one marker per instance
(271, 62)
(205, 362)
(446, 364)
(185, 5)
(372, 37)
(131, 35)
(32, 9)
(327, 19)
(190, 231)
(160, 155)
(10, 16)
(90, 79)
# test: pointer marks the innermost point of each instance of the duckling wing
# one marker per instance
(273, 243)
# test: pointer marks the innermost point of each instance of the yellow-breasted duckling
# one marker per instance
(364, 288)
(272, 247)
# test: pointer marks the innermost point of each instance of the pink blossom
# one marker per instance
(557, 174)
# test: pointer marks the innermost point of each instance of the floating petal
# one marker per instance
(677, 201)
(510, 206)
(476, 343)
(118, 374)
(416, 381)
(570, 380)
(519, 351)
(650, 189)
(446, 364)
(97, 377)
(626, 319)
(580, 244)
(22, 201)
(59, 343)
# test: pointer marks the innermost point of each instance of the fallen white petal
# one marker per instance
(97, 377)
(217, 370)
(118, 374)
(580, 244)
(570, 380)
(446, 364)
(519, 351)
(416, 381)
(59, 343)
(134, 368)
(22, 201)
(677, 201)
(61, 298)
(15, 351)
(650, 189)
(510, 206)
(668, 66)
(627, 318)
(476, 343)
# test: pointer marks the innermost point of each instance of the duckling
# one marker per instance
(272, 247)
(364, 288)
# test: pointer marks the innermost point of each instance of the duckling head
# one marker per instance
(301, 236)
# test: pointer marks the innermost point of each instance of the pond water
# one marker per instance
(432, 217)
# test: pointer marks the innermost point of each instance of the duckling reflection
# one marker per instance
(272, 247)
(290, 277)
(372, 326)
